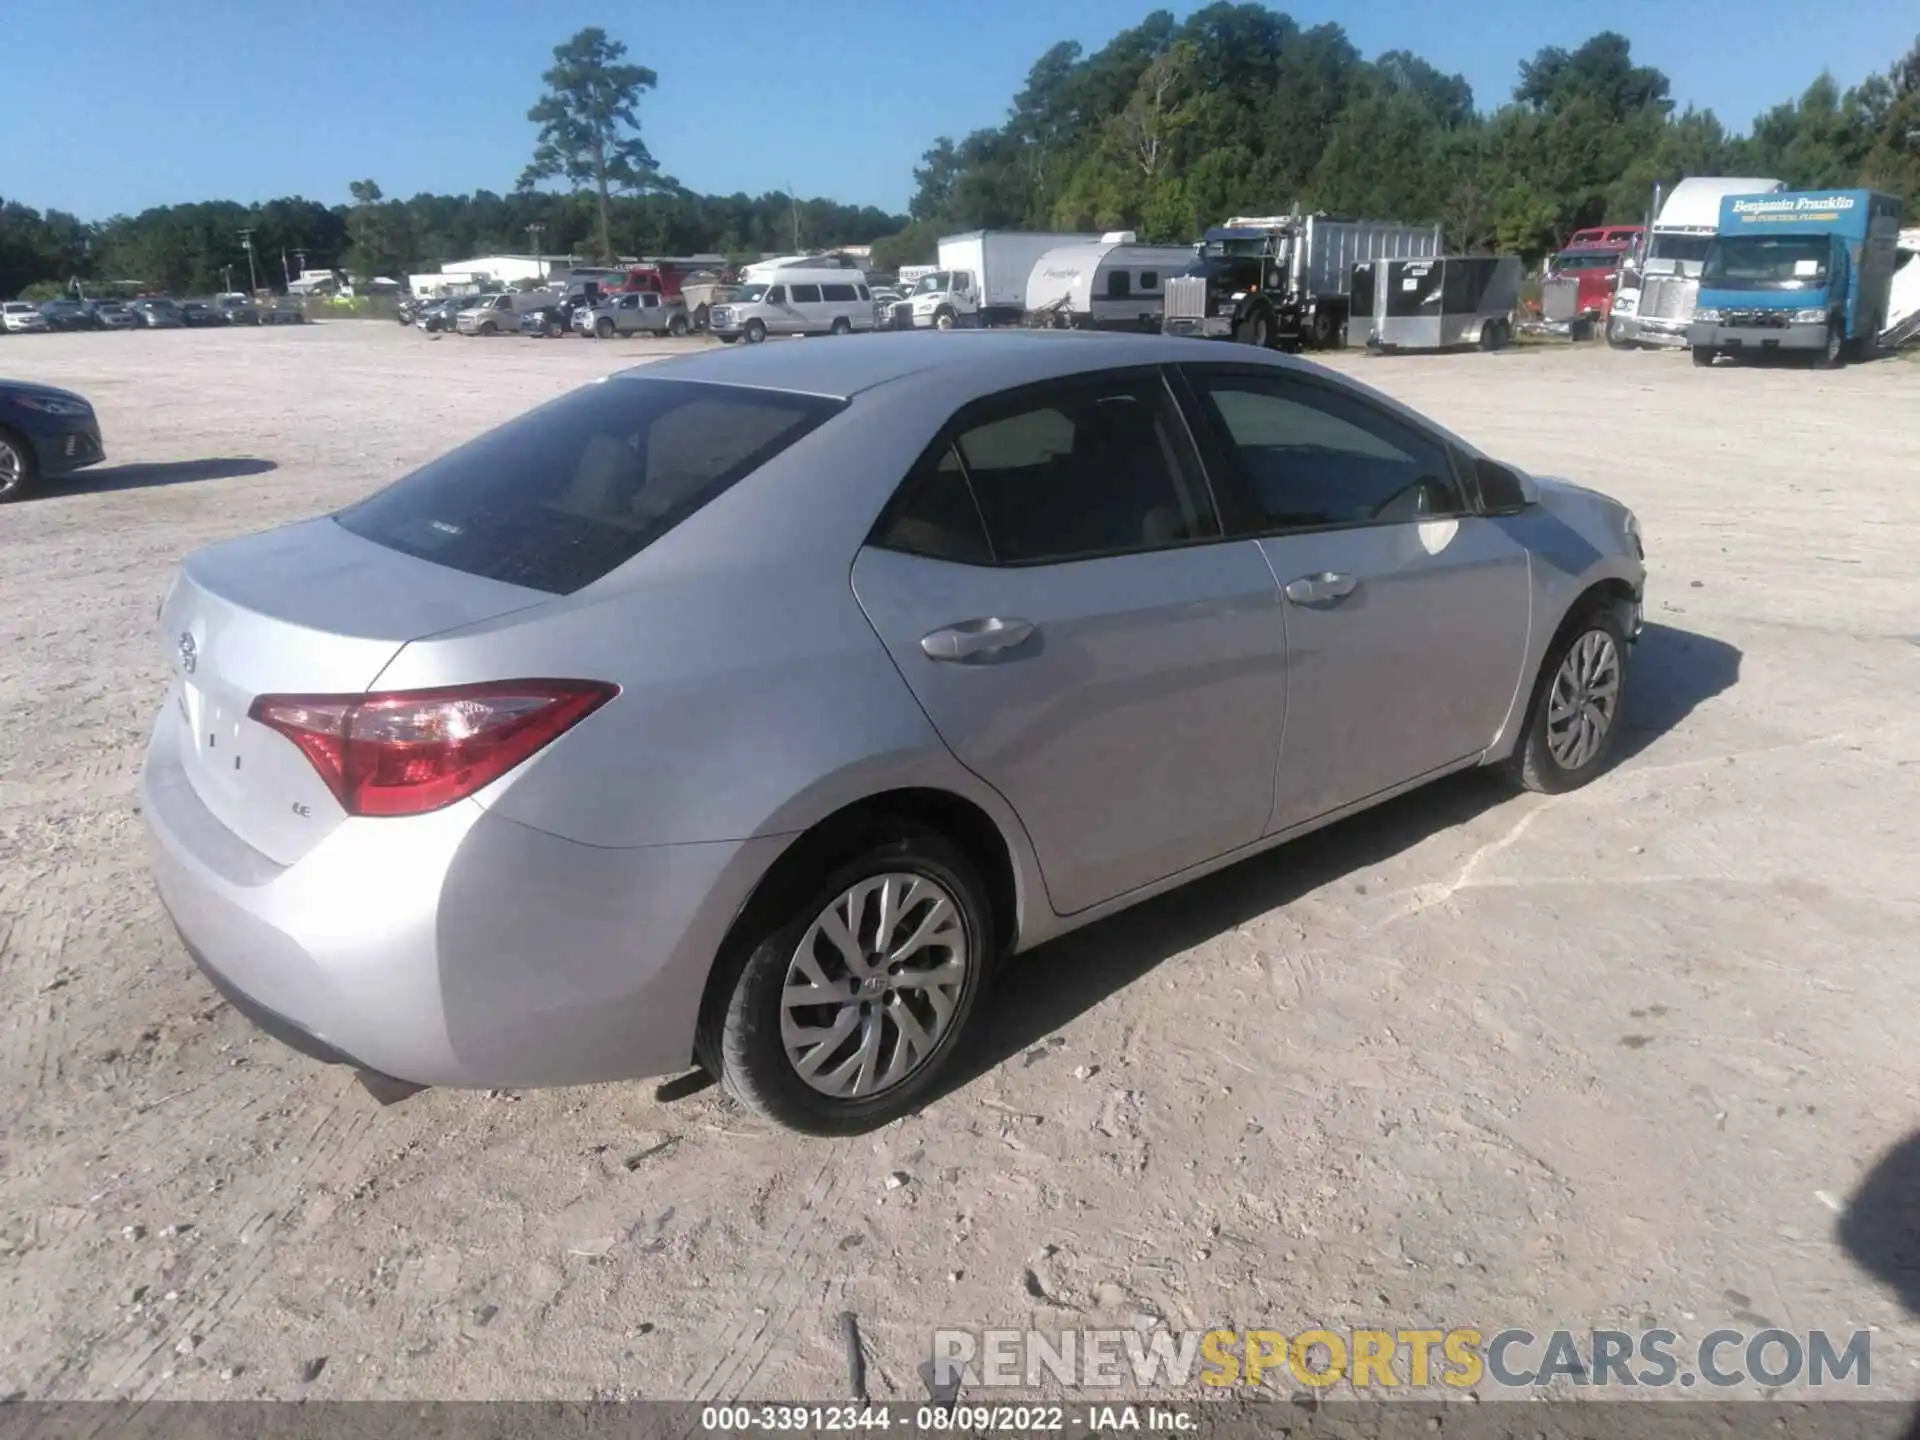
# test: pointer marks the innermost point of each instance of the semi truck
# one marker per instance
(1804, 271)
(1285, 280)
(981, 279)
(1653, 303)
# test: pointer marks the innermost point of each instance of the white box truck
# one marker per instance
(981, 279)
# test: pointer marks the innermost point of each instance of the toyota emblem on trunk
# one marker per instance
(189, 653)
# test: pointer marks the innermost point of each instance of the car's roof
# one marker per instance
(978, 361)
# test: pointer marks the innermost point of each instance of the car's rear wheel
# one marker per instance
(16, 466)
(855, 991)
(841, 326)
(677, 326)
(1573, 724)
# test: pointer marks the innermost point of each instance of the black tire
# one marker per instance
(755, 332)
(1323, 330)
(1834, 357)
(555, 329)
(18, 468)
(841, 326)
(1255, 329)
(1704, 355)
(1617, 334)
(603, 328)
(677, 326)
(739, 1037)
(726, 339)
(701, 316)
(945, 319)
(1533, 764)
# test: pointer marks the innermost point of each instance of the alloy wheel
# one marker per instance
(13, 467)
(1584, 700)
(873, 986)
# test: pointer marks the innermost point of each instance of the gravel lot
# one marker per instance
(1622, 1058)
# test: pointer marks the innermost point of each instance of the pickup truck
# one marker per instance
(1805, 271)
(630, 312)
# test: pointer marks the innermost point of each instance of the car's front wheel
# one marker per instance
(855, 991)
(1573, 724)
(16, 467)
(755, 332)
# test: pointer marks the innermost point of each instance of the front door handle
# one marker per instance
(975, 637)
(1320, 589)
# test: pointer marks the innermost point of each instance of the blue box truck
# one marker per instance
(1805, 271)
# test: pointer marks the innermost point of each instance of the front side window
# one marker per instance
(1309, 456)
(1071, 471)
(806, 294)
(569, 492)
(777, 295)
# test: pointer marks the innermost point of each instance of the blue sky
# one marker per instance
(114, 105)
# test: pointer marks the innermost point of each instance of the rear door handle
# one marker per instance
(975, 637)
(1320, 589)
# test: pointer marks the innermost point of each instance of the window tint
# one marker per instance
(777, 295)
(1313, 456)
(649, 302)
(864, 293)
(935, 514)
(1083, 470)
(564, 494)
(1149, 279)
(1119, 285)
(838, 292)
(806, 294)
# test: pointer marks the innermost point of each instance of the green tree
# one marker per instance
(589, 128)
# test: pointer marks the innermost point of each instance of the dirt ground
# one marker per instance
(1625, 1058)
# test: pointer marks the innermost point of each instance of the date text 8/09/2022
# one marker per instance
(943, 1419)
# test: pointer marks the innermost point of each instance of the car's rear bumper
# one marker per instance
(457, 948)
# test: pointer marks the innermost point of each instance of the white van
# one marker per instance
(801, 302)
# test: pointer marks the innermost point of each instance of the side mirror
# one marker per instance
(1502, 490)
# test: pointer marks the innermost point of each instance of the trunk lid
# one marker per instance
(308, 610)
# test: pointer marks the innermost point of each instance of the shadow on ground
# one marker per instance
(1035, 994)
(165, 472)
(1880, 1230)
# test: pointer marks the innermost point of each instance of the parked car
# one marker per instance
(44, 432)
(949, 650)
(499, 314)
(19, 317)
(67, 315)
(198, 314)
(805, 302)
(550, 321)
(630, 312)
(111, 315)
(287, 310)
(158, 313)
(238, 309)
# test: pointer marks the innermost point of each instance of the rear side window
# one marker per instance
(568, 492)
(838, 292)
(806, 294)
(1062, 473)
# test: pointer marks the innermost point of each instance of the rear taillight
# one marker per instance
(411, 751)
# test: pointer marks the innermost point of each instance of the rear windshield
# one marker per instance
(568, 492)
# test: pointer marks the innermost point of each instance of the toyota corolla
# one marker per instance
(748, 709)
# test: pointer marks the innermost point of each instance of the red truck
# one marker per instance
(1577, 294)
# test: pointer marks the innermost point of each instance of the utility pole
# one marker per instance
(533, 237)
(794, 201)
(227, 270)
(246, 239)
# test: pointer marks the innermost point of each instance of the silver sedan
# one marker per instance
(746, 710)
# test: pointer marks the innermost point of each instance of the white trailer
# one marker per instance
(981, 280)
(1654, 302)
(1114, 284)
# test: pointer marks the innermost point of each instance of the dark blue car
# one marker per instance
(43, 432)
